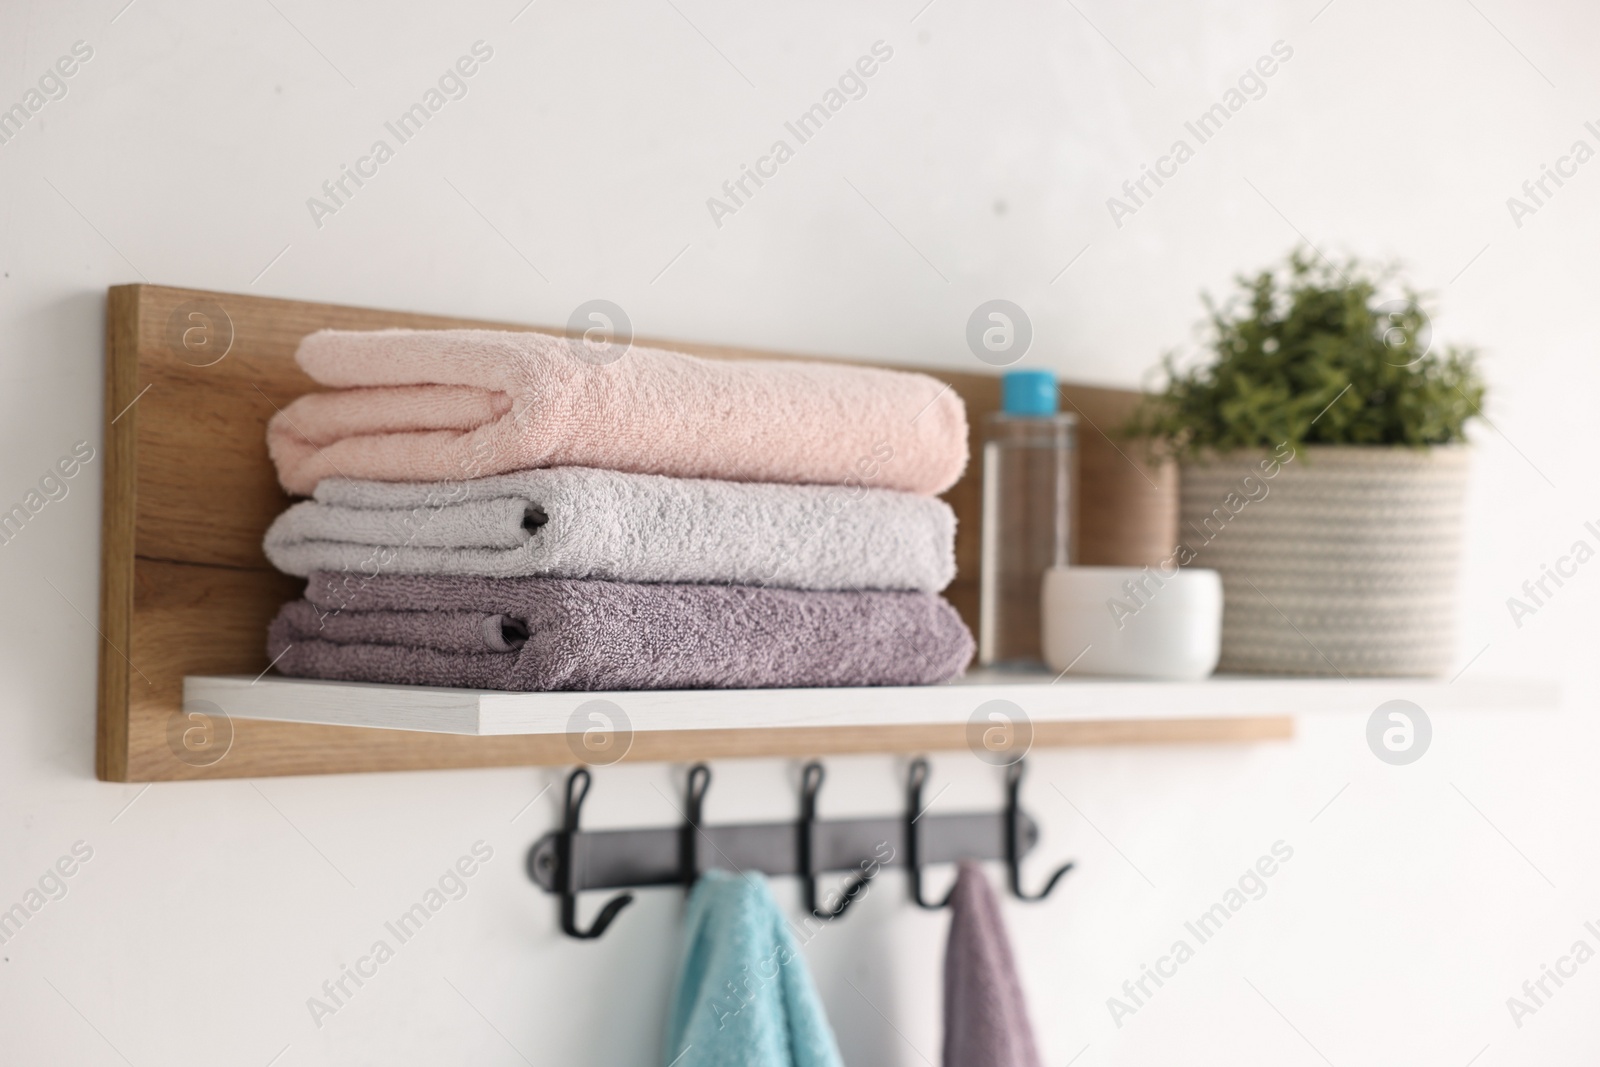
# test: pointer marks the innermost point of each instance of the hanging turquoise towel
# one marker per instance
(744, 997)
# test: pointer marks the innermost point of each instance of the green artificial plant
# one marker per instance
(1309, 355)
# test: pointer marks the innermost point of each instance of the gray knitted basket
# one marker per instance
(1343, 562)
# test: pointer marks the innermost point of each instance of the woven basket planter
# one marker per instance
(1343, 562)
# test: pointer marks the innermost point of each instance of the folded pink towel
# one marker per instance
(437, 405)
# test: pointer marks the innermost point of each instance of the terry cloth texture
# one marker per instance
(743, 997)
(985, 1015)
(577, 522)
(467, 632)
(436, 405)
(594, 635)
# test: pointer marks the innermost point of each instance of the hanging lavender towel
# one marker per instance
(557, 633)
(579, 522)
(985, 1015)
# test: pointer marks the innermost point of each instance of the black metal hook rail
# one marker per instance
(570, 860)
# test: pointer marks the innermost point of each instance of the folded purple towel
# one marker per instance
(474, 632)
(554, 633)
(985, 1015)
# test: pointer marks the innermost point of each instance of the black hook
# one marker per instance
(915, 779)
(1014, 842)
(566, 873)
(811, 781)
(689, 842)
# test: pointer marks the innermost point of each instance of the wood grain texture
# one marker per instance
(265, 749)
(191, 380)
(117, 516)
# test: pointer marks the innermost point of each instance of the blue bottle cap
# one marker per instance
(1028, 392)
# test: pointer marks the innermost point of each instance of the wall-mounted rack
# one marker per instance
(570, 860)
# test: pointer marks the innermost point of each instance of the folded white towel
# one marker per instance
(579, 522)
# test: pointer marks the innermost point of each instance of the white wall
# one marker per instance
(1416, 903)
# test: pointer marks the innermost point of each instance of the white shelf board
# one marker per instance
(491, 712)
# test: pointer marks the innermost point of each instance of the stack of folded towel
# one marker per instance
(495, 510)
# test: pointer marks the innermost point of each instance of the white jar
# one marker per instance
(1130, 622)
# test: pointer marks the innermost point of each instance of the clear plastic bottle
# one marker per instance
(1029, 493)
